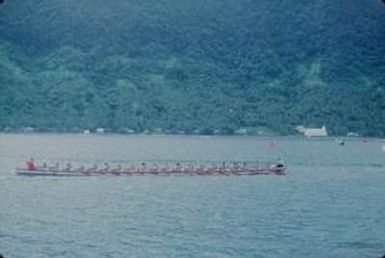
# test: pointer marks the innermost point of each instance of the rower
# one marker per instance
(178, 167)
(155, 168)
(280, 163)
(82, 168)
(31, 164)
(143, 167)
(106, 167)
(68, 167)
(54, 167)
(235, 167)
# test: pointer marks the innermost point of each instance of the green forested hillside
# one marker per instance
(193, 66)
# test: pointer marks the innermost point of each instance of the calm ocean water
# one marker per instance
(331, 203)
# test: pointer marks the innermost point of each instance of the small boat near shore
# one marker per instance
(275, 169)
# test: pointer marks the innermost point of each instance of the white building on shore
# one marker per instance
(100, 130)
(313, 132)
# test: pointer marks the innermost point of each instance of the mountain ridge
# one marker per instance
(193, 66)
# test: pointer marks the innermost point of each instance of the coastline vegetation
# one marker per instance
(193, 67)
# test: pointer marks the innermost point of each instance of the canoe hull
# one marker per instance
(25, 172)
(260, 171)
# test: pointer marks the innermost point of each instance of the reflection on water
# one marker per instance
(329, 205)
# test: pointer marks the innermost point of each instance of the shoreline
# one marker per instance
(261, 137)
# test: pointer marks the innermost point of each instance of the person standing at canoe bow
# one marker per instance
(31, 164)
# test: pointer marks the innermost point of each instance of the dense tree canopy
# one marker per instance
(193, 66)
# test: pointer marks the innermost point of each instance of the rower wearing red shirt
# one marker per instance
(31, 164)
